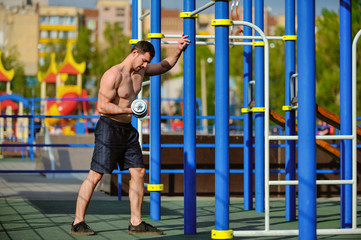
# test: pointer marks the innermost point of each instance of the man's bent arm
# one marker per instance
(169, 62)
(163, 66)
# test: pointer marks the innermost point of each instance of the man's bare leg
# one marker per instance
(136, 193)
(85, 193)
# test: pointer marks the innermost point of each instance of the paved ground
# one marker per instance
(33, 206)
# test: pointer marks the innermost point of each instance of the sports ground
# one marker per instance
(33, 206)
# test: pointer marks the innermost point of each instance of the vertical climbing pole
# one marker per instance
(221, 23)
(345, 111)
(247, 115)
(32, 129)
(259, 110)
(306, 119)
(290, 149)
(133, 41)
(155, 35)
(189, 82)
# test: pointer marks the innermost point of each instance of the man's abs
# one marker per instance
(124, 118)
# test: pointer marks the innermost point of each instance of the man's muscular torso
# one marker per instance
(125, 88)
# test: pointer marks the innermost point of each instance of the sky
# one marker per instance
(276, 6)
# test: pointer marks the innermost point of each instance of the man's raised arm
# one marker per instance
(169, 62)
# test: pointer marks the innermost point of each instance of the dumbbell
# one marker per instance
(139, 108)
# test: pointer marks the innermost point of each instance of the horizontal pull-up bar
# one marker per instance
(211, 43)
(144, 15)
(318, 182)
(204, 7)
(230, 37)
(324, 137)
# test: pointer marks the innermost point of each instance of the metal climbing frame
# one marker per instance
(267, 231)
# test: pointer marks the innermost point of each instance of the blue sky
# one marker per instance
(277, 6)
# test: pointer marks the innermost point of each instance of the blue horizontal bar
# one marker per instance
(46, 145)
(165, 171)
(44, 171)
(66, 99)
(51, 116)
(145, 145)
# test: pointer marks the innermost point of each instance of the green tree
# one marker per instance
(327, 61)
(356, 23)
(328, 58)
(116, 49)
(83, 47)
(18, 84)
(236, 70)
(277, 72)
(203, 53)
(83, 52)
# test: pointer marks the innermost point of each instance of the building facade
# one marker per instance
(116, 11)
(57, 24)
(19, 30)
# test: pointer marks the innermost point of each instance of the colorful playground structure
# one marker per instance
(68, 94)
(300, 101)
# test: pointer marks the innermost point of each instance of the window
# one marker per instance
(66, 20)
(44, 34)
(61, 34)
(120, 12)
(106, 9)
(53, 34)
(71, 34)
(91, 24)
(42, 61)
(72, 20)
(41, 47)
(44, 20)
(62, 20)
(54, 20)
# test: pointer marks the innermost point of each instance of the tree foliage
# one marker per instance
(202, 54)
(115, 50)
(328, 57)
(277, 72)
(18, 83)
(83, 47)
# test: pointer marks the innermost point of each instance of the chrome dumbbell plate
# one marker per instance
(139, 108)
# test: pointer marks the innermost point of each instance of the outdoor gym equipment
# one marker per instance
(139, 108)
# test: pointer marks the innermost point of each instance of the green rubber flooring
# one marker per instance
(51, 219)
(35, 207)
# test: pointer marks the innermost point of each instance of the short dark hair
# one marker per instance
(143, 47)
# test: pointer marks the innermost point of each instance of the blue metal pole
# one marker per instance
(259, 115)
(155, 94)
(119, 185)
(190, 190)
(290, 149)
(346, 111)
(134, 36)
(32, 129)
(306, 119)
(221, 118)
(247, 116)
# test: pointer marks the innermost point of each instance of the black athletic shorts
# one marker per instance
(116, 143)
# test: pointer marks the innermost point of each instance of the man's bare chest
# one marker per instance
(129, 88)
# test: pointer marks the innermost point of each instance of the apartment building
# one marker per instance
(22, 3)
(90, 21)
(57, 24)
(113, 11)
(19, 29)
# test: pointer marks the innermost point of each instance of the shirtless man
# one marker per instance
(116, 140)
